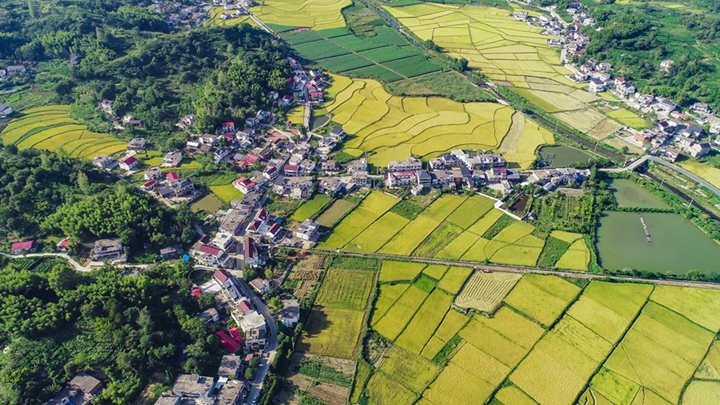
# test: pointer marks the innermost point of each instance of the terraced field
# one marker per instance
(514, 54)
(552, 342)
(50, 128)
(395, 128)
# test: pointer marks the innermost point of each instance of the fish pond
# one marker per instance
(561, 156)
(629, 194)
(677, 245)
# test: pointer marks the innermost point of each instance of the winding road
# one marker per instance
(75, 265)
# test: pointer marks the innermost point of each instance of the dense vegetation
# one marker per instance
(44, 194)
(56, 322)
(129, 55)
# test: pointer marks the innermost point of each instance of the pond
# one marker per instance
(320, 121)
(629, 194)
(209, 204)
(561, 156)
(678, 246)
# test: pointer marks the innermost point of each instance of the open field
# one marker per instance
(50, 128)
(311, 207)
(426, 320)
(485, 292)
(334, 325)
(347, 289)
(334, 212)
(628, 118)
(450, 227)
(400, 271)
(617, 344)
(386, 56)
(374, 206)
(315, 14)
(512, 53)
(217, 21)
(397, 127)
(226, 193)
(702, 170)
(542, 297)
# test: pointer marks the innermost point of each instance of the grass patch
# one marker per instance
(441, 237)
(311, 207)
(498, 226)
(552, 252)
(441, 357)
(425, 283)
(407, 209)
(354, 263)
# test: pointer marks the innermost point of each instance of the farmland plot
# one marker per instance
(372, 208)
(425, 321)
(485, 292)
(400, 313)
(348, 289)
(542, 297)
(400, 271)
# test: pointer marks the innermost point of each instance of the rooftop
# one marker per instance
(193, 385)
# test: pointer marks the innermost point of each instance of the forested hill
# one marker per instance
(128, 54)
(637, 36)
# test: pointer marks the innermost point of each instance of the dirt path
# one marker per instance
(75, 265)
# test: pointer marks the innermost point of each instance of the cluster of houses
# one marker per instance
(674, 133)
(471, 168)
(550, 179)
(186, 14)
(11, 71)
(305, 86)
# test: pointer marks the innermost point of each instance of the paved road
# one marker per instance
(525, 270)
(75, 265)
(663, 162)
(272, 342)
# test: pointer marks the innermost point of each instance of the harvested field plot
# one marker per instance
(702, 393)
(485, 292)
(346, 289)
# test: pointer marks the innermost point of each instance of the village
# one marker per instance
(675, 131)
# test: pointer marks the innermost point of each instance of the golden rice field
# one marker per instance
(371, 228)
(603, 343)
(512, 53)
(394, 128)
(314, 14)
(50, 128)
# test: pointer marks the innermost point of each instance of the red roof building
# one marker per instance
(246, 307)
(210, 250)
(196, 292)
(27, 246)
(227, 342)
(222, 276)
(235, 334)
(274, 229)
(228, 127)
(150, 184)
(252, 159)
(172, 176)
(244, 185)
(262, 215)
